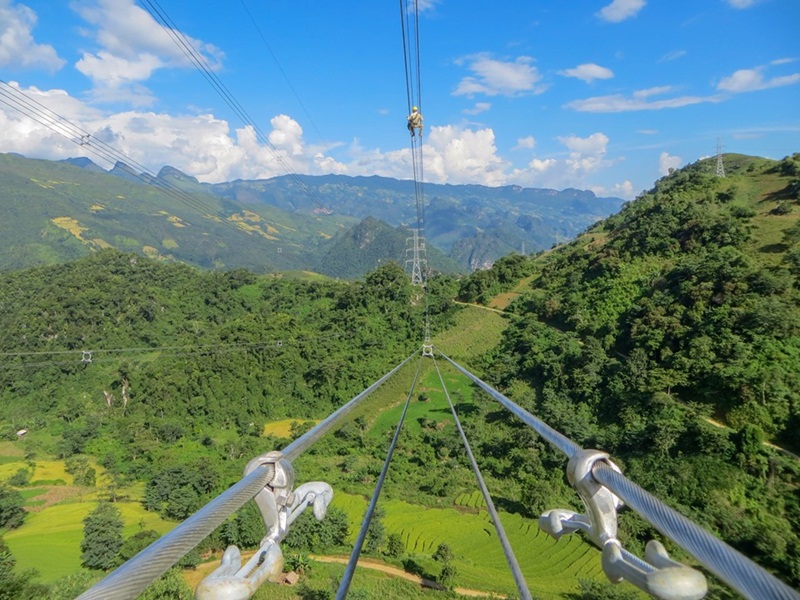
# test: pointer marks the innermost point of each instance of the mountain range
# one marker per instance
(340, 226)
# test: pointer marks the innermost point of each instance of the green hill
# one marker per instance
(473, 224)
(59, 211)
(681, 309)
(55, 212)
(669, 335)
(371, 243)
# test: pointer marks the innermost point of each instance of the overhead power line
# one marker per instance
(21, 102)
(199, 61)
(283, 73)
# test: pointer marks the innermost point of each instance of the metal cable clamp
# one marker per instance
(279, 507)
(427, 349)
(657, 574)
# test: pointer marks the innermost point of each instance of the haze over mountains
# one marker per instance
(340, 226)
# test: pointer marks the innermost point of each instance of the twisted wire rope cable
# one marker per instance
(731, 566)
(511, 559)
(344, 585)
(129, 580)
(560, 441)
(728, 564)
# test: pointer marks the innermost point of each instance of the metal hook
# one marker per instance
(279, 507)
(657, 575)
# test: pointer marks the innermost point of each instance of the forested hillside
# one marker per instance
(679, 311)
(229, 349)
(682, 309)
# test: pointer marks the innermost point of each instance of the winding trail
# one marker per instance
(194, 577)
(366, 563)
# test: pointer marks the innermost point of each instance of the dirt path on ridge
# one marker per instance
(497, 310)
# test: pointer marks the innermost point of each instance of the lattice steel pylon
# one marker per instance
(417, 260)
(720, 171)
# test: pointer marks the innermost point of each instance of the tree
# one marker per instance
(20, 478)
(395, 546)
(11, 512)
(16, 586)
(170, 586)
(443, 553)
(306, 533)
(375, 532)
(102, 537)
(82, 472)
(448, 575)
(135, 544)
(70, 586)
(247, 529)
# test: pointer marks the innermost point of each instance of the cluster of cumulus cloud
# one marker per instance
(129, 47)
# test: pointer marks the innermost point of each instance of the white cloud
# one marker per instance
(653, 91)
(132, 45)
(639, 100)
(674, 55)
(667, 162)
(525, 143)
(424, 5)
(495, 77)
(588, 72)
(585, 159)
(624, 190)
(751, 80)
(211, 150)
(619, 10)
(460, 155)
(286, 134)
(542, 166)
(17, 46)
(478, 108)
(741, 3)
(587, 155)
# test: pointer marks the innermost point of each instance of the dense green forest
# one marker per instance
(681, 309)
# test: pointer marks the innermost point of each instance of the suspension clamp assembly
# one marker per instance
(427, 349)
(279, 507)
(657, 574)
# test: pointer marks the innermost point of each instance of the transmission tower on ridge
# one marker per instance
(720, 172)
(417, 260)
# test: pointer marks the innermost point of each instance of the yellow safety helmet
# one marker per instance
(414, 109)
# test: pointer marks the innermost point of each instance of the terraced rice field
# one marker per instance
(551, 567)
(49, 541)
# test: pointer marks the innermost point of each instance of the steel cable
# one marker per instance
(560, 441)
(301, 444)
(731, 566)
(344, 585)
(129, 580)
(519, 579)
(734, 568)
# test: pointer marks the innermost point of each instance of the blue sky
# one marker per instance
(602, 95)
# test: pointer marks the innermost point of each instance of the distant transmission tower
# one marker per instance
(720, 172)
(417, 260)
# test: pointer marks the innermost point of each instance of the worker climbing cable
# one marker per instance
(415, 122)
